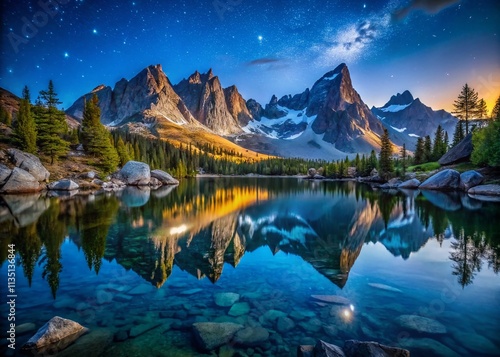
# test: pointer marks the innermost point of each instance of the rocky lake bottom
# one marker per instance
(286, 262)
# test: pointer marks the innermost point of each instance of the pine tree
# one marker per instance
(25, 128)
(419, 152)
(439, 148)
(446, 142)
(466, 105)
(427, 149)
(495, 112)
(5, 116)
(459, 135)
(96, 139)
(385, 162)
(122, 151)
(482, 110)
(51, 124)
(404, 158)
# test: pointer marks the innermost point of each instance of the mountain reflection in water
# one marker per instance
(202, 224)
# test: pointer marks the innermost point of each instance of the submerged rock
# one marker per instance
(421, 324)
(332, 299)
(238, 309)
(54, 336)
(251, 336)
(210, 335)
(427, 347)
(143, 328)
(92, 344)
(226, 299)
(285, 324)
(476, 343)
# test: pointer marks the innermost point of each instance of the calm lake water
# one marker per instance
(138, 268)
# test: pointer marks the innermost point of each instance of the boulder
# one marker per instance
(164, 177)
(210, 335)
(54, 336)
(489, 192)
(30, 163)
(238, 309)
(323, 349)
(63, 185)
(135, 173)
(91, 344)
(444, 180)
(226, 299)
(21, 181)
(459, 153)
(305, 351)
(392, 183)
(421, 324)
(363, 348)
(135, 196)
(311, 172)
(285, 324)
(251, 336)
(411, 184)
(470, 179)
(4, 173)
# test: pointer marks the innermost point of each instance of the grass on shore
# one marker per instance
(428, 166)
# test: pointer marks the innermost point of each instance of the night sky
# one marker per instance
(431, 47)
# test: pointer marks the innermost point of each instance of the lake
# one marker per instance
(294, 261)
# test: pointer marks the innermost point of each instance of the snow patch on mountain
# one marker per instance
(395, 108)
(398, 130)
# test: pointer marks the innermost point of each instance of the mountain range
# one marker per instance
(327, 121)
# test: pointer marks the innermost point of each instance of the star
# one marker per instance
(260, 38)
(94, 31)
(66, 54)
(364, 6)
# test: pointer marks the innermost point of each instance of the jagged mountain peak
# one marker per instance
(404, 98)
(98, 88)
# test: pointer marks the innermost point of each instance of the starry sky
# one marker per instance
(430, 47)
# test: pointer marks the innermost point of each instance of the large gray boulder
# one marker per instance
(135, 173)
(63, 185)
(410, 184)
(54, 336)
(485, 190)
(369, 348)
(459, 153)
(21, 181)
(30, 163)
(210, 335)
(470, 179)
(444, 180)
(4, 173)
(164, 177)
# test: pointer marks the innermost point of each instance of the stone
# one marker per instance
(311, 172)
(324, 349)
(135, 173)
(91, 344)
(4, 173)
(470, 179)
(164, 177)
(251, 336)
(485, 190)
(21, 181)
(141, 329)
(332, 299)
(25, 328)
(427, 347)
(410, 184)
(154, 182)
(459, 153)
(305, 351)
(384, 287)
(270, 316)
(285, 324)
(210, 335)
(421, 324)
(444, 180)
(363, 348)
(226, 299)
(63, 185)
(30, 163)
(313, 325)
(54, 336)
(476, 343)
(141, 290)
(238, 309)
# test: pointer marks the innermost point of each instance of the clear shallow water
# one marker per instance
(155, 262)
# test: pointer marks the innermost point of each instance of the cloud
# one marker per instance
(263, 61)
(429, 6)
